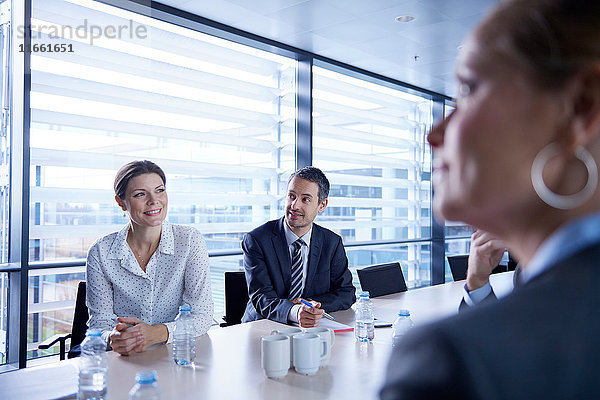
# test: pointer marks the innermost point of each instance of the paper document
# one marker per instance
(336, 326)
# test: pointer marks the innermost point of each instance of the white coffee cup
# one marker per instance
(289, 332)
(275, 355)
(309, 350)
(329, 335)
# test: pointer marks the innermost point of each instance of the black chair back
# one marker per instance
(78, 329)
(80, 318)
(382, 279)
(459, 264)
(236, 297)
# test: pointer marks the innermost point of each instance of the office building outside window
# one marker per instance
(457, 234)
(369, 139)
(217, 116)
(5, 154)
(217, 110)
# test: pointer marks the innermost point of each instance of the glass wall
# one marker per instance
(455, 229)
(5, 127)
(414, 258)
(5, 155)
(369, 139)
(217, 116)
(52, 294)
(3, 315)
(455, 247)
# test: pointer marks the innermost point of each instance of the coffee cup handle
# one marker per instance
(326, 350)
(274, 332)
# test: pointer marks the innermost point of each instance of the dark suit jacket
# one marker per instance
(268, 272)
(540, 342)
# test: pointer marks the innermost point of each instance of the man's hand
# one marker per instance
(309, 317)
(132, 335)
(486, 252)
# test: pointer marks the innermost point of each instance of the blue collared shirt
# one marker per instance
(567, 241)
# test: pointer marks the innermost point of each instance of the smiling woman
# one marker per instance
(138, 277)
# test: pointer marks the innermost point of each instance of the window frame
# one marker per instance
(18, 266)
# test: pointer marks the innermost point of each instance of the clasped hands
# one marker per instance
(132, 335)
(309, 317)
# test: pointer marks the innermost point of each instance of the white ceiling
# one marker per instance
(362, 33)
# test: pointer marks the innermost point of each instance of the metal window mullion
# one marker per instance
(438, 245)
(19, 186)
(304, 104)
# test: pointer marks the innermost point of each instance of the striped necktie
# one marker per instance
(296, 285)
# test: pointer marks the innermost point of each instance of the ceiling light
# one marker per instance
(404, 18)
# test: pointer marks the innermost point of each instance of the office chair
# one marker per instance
(78, 329)
(382, 279)
(459, 264)
(236, 297)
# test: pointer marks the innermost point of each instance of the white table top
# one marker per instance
(228, 359)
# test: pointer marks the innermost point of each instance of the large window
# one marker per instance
(457, 234)
(52, 294)
(3, 315)
(5, 155)
(5, 127)
(369, 138)
(217, 116)
(217, 110)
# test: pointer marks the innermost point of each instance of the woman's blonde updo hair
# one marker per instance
(552, 39)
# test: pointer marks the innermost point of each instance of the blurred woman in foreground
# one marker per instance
(518, 158)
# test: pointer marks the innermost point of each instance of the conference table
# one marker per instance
(228, 359)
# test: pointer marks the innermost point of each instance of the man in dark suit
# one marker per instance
(293, 258)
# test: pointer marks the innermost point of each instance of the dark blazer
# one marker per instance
(540, 342)
(268, 272)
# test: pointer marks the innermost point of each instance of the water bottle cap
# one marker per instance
(185, 307)
(93, 332)
(404, 313)
(145, 377)
(364, 294)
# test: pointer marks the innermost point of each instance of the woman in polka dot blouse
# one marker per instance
(138, 277)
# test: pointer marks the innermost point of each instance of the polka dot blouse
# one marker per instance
(177, 273)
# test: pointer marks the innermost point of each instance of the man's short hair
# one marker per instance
(313, 174)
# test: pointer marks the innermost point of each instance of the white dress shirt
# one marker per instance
(290, 238)
(177, 273)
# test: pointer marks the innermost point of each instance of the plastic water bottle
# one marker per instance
(93, 367)
(145, 387)
(184, 337)
(401, 326)
(364, 330)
